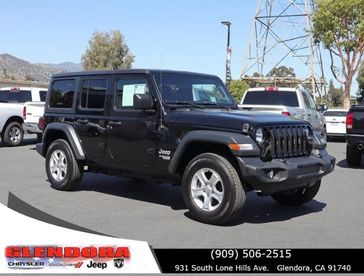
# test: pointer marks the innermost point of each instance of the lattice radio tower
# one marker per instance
(282, 35)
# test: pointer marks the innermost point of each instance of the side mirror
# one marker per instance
(143, 101)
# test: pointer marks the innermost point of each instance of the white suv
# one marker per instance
(13, 111)
(293, 102)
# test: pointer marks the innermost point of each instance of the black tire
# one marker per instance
(353, 155)
(13, 134)
(72, 176)
(298, 196)
(324, 134)
(233, 198)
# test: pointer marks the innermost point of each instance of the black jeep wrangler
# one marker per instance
(178, 127)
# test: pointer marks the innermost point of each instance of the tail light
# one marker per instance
(286, 113)
(24, 113)
(42, 123)
(349, 120)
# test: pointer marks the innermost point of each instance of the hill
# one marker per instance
(19, 69)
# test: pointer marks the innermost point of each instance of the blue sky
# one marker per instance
(178, 34)
(174, 34)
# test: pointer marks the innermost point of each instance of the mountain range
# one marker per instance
(19, 69)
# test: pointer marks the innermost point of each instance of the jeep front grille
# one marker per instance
(286, 141)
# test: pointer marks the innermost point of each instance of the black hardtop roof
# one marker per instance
(124, 71)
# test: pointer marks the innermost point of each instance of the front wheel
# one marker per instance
(212, 189)
(63, 170)
(298, 196)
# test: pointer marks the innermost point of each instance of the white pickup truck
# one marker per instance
(17, 104)
(293, 102)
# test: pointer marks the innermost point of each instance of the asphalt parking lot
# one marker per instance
(156, 213)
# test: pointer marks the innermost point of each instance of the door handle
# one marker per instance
(82, 121)
(114, 123)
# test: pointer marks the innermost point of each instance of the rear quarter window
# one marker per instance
(263, 97)
(62, 94)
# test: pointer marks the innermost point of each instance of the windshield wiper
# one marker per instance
(215, 104)
(184, 103)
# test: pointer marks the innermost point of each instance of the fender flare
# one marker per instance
(71, 135)
(220, 137)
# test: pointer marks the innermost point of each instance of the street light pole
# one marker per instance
(228, 53)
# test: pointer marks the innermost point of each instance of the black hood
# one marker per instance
(234, 119)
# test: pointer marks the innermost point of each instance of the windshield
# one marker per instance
(263, 97)
(188, 88)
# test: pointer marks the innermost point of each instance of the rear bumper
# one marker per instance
(355, 139)
(31, 128)
(281, 175)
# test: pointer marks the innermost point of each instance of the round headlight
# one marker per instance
(259, 135)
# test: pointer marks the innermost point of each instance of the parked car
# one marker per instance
(292, 102)
(355, 134)
(33, 111)
(178, 127)
(335, 122)
(12, 111)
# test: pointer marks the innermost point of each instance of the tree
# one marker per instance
(339, 25)
(237, 88)
(281, 71)
(360, 79)
(107, 51)
(335, 94)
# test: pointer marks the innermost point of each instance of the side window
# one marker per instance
(312, 101)
(306, 100)
(42, 95)
(62, 94)
(93, 94)
(126, 87)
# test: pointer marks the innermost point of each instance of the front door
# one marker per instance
(131, 138)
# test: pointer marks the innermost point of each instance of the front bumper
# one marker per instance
(287, 174)
(31, 128)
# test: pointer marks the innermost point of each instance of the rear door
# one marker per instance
(90, 116)
(131, 138)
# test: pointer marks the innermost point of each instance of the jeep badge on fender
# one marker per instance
(179, 127)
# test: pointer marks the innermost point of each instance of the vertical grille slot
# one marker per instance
(288, 141)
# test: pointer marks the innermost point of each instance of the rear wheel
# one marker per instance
(212, 189)
(63, 170)
(353, 155)
(13, 134)
(298, 196)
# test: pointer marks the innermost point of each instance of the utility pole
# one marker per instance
(281, 34)
(228, 54)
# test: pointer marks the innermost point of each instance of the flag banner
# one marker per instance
(264, 260)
